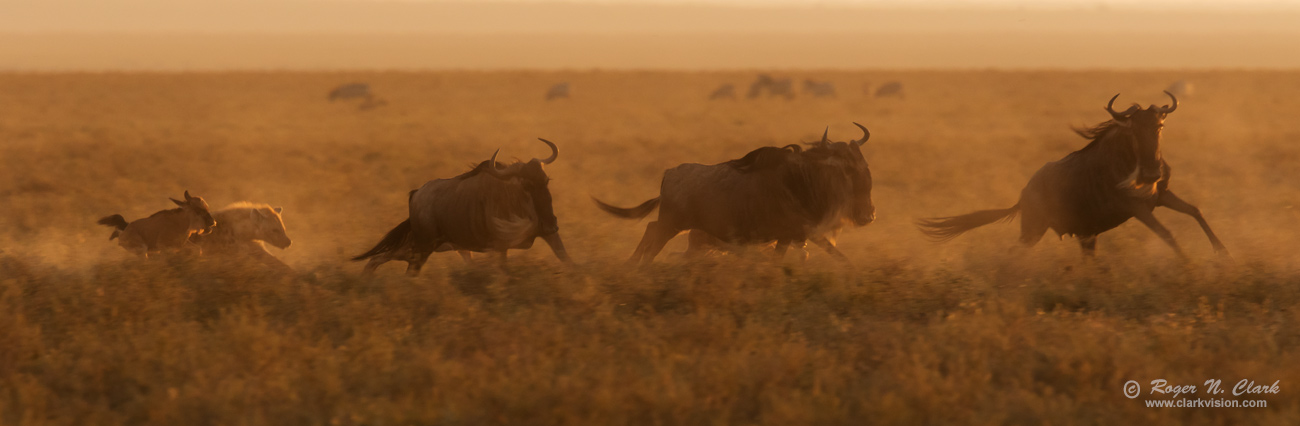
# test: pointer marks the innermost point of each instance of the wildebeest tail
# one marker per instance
(947, 228)
(116, 221)
(637, 212)
(392, 241)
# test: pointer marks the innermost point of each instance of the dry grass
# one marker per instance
(971, 331)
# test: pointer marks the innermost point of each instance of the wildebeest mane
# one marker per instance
(764, 158)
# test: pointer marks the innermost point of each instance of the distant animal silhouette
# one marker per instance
(357, 91)
(1119, 175)
(167, 230)
(772, 87)
(558, 91)
(726, 91)
(819, 89)
(890, 89)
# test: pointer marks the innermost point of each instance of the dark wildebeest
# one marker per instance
(558, 91)
(350, 91)
(357, 91)
(774, 87)
(819, 89)
(892, 88)
(787, 195)
(1117, 176)
(726, 91)
(491, 207)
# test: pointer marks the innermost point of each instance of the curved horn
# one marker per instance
(555, 152)
(825, 133)
(866, 134)
(1168, 108)
(492, 167)
(1113, 113)
(187, 196)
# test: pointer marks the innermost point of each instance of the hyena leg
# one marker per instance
(826, 244)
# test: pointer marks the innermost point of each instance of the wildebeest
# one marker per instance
(357, 91)
(726, 91)
(558, 91)
(773, 87)
(241, 229)
(165, 230)
(782, 194)
(892, 88)
(491, 207)
(1181, 88)
(350, 91)
(1119, 175)
(819, 89)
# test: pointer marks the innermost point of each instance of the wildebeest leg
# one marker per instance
(557, 246)
(1089, 245)
(465, 255)
(779, 250)
(416, 261)
(700, 242)
(1149, 219)
(656, 237)
(826, 244)
(1168, 199)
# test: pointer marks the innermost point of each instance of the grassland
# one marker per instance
(971, 331)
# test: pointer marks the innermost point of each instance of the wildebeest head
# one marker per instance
(200, 218)
(846, 158)
(532, 176)
(1144, 125)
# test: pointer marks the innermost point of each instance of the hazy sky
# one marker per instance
(656, 34)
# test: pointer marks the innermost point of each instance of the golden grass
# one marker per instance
(971, 331)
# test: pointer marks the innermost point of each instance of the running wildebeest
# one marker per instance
(726, 91)
(1119, 175)
(819, 89)
(783, 194)
(491, 207)
(165, 230)
(892, 88)
(558, 91)
(774, 87)
(241, 230)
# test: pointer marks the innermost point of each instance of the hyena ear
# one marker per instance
(278, 210)
(178, 202)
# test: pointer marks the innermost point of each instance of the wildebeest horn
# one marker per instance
(555, 152)
(492, 167)
(187, 196)
(825, 133)
(1117, 115)
(866, 134)
(1168, 108)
